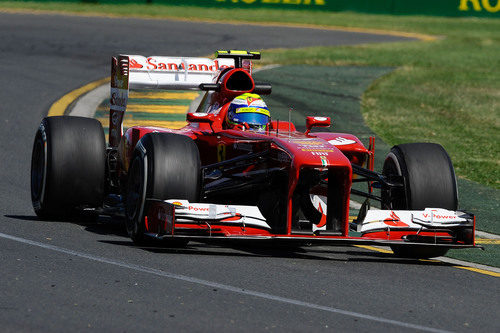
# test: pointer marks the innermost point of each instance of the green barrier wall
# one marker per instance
(482, 8)
(486, 8)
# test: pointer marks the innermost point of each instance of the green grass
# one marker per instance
(445, 91)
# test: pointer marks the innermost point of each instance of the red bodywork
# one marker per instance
(287, 150)
(301, 153)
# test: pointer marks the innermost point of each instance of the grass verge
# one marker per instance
(445, 91)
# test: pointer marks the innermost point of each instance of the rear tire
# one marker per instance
(429, 182)
(67, 166)
(164, 166)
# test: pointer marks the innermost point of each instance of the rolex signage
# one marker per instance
(486, 8)
(461, 8)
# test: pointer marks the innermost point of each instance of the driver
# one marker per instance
(248, 111)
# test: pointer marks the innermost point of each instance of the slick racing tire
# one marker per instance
(428, 174)
(164, 166)
(429, 182)
(67, 166)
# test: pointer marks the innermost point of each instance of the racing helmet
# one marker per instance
(248, 109)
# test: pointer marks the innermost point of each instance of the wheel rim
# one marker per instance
(38, 172)
(134, 205)
(395, 198)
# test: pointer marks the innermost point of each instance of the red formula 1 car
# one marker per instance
(233, 173)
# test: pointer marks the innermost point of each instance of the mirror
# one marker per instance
(198, 117)
(316, 122)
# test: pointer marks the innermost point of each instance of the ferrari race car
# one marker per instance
(235, 173)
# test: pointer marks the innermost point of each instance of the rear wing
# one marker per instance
(173, 73)
(167, 72)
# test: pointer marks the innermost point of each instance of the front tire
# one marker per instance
(67, 166)
(429, 182)
(164, 166)
(428, 175)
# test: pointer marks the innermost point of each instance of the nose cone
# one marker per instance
(315, 152)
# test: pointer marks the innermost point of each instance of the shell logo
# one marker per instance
(176, 203)
(250, 100)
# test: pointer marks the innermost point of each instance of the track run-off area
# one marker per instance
(59, 276)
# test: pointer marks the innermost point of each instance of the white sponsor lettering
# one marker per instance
(198, 209)
(340, 141)
(176, 64)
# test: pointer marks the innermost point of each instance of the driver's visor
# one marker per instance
(252, 116)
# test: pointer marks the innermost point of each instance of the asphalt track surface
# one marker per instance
(57, 276)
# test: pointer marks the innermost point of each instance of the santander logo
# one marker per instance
(395, 221)
(152, 63)
(134, 64)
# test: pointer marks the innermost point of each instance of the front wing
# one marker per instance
(203, 221)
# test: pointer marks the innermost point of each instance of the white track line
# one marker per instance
(483, 234)
(221, 286)
(86, 105)
(451, 261)
(467, 264)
